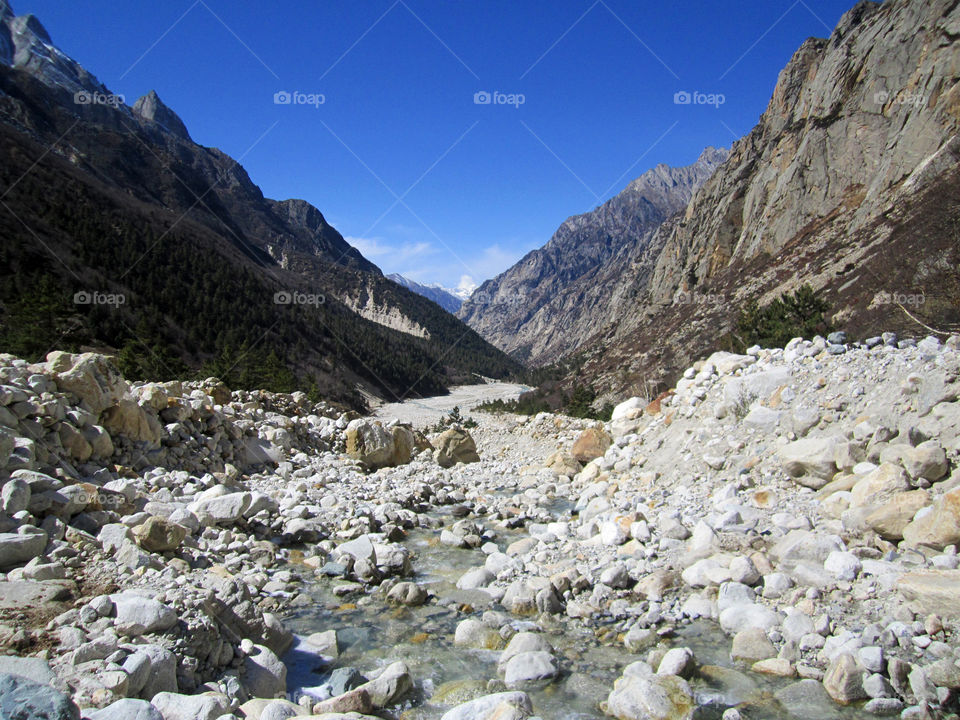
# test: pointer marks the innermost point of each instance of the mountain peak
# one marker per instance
(5, 10)
(151, 107)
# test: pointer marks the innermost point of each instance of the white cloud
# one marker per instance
(459, 268)
(381, 251)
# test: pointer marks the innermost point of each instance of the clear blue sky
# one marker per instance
(479, 184)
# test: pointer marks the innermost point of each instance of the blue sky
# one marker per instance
(399, 157)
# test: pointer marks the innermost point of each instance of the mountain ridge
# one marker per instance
(171, 197)
(544, 307)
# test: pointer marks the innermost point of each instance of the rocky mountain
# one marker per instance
(554, 298)
(440, 295)
(110, 201)
(848, 182)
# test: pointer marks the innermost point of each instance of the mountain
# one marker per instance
(552, 301)
(101, 200)
(849, 182)
(440, 295)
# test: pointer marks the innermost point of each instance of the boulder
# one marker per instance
(932, 592)
(591, 444)
(530, 669)
(404, 444)
(132, 421)
(159, 535)
(938, 528)
(21, 547)
(389, 686)
(455, 446)
(499, 706)
(807, 700)
(126, 709)
(891, 519)
(173, 706)
(812, 461)
(523, 643)
(91, 377)
(474, 634)
(370, 443)
(352, 701)
(879, 486)
(23, 699)
(927, 460)
(654, 697)
(264, 675)
(137, 615)
(748, 615)
(752, 645)
(844, 680)
(162, 676)
(218, 506)
(407, 593)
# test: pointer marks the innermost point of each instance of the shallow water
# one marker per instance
(373, 634)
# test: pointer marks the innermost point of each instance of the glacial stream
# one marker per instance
(373, 633)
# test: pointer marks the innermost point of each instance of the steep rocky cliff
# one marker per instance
(554, 298)
(848, 182)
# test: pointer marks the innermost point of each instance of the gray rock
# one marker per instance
(173, 706)
(475, 578)
(22, 546)
(876, 685)
(512, 705)
(31, 668)
(750, 615)
(677, 661)
(137, 615)
(23, 699)
(844, 680)
(345, 679)
(127, 709)
(530, 669)
(14, 496)
(264, 675)
(884, 706)
(752, 645)
(639, 638)
(523, 642)
(655, 697)
(163, 671)
(807, 700)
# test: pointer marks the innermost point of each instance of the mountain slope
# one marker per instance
(555, 297)
(848, 182)
(442, 297)
(100, 197)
